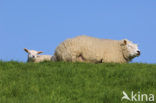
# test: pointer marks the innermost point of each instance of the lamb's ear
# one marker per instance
(26, 50)
(39, 52)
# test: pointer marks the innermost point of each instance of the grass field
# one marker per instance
(61, 82)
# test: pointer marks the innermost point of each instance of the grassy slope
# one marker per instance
(73, 82)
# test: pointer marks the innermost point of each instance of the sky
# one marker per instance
(43, 24)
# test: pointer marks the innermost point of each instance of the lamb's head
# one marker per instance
(32, 54)
(130, 50)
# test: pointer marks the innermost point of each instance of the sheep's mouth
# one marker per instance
(138, 53)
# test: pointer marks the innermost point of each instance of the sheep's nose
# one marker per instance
(138, 52)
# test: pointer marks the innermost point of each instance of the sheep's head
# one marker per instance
(130, 50)
(32, 54)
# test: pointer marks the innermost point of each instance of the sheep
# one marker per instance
(34, 57)
(89, 49)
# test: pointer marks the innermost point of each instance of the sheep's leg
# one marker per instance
(80, 58)
(100, 61)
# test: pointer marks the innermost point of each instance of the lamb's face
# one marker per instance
(32, 54)
(131, 48)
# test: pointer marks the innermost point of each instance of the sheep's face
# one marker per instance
(32, 54)
(131, 50)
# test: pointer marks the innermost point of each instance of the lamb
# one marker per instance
(89, 49)
(34, 57)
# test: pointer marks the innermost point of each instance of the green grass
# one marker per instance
(62, 82)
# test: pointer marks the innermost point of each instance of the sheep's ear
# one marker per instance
(39, 52)
(26, 50)
(125, 41)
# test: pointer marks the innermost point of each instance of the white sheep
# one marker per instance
(89, 49)
(34, 57)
